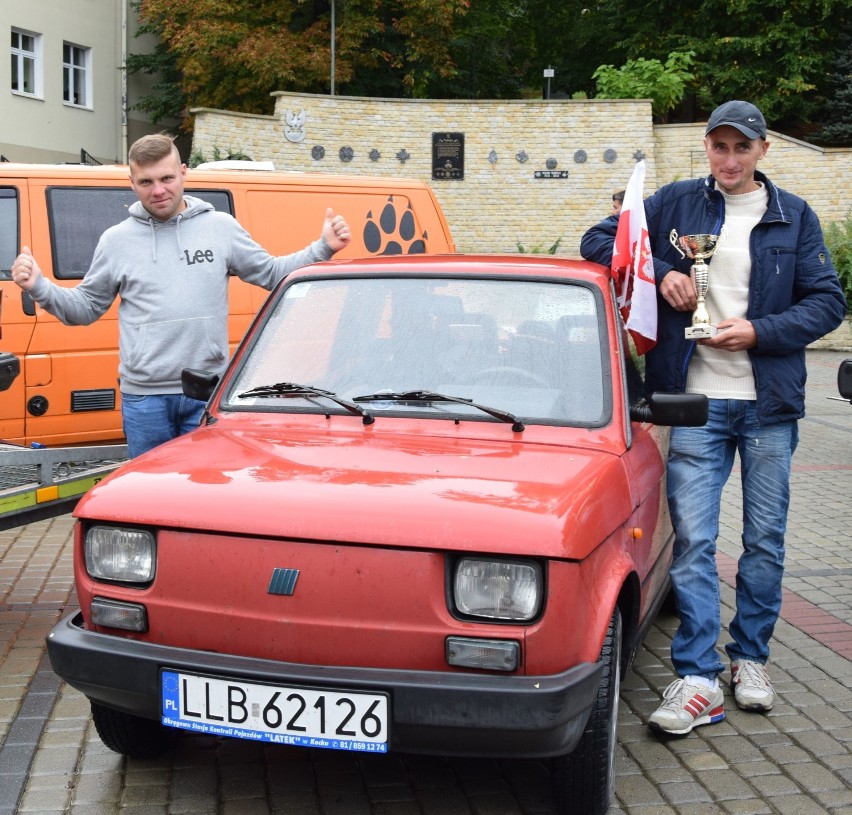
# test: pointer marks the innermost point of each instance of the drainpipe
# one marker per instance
(122, 147)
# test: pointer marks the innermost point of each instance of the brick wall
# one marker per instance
(501, 203)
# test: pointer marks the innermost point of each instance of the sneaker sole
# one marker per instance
(713, 717)
(754, 707)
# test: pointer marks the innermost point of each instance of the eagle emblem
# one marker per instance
(294, 129)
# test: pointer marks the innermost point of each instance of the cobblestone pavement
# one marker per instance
(797, 760)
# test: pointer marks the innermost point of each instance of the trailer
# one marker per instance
(43, 482)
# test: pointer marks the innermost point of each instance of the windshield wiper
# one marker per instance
(431, 396)
(287, 389)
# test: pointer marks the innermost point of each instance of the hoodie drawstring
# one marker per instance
(153, 229)
(153, 239)
(177, 235)
(194, 206)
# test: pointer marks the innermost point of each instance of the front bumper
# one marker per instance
(431, 712)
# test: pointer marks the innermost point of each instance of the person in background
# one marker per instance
(617, 202)
(169, 263)
(773, 290)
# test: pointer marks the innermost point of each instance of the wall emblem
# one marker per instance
(294, 128)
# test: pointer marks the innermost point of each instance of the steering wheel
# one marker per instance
(521, 373)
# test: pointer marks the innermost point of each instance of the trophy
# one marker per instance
(698, 247)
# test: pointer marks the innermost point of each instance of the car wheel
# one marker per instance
(131, 735)
(583, 780)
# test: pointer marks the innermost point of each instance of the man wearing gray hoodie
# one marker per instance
(169, 263)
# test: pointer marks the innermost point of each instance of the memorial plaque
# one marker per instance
(447, 156)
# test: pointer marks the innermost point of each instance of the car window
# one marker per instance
(526, 346)
(78, 217)
(8, 230)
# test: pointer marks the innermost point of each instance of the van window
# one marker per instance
(8, 230)
(78, 217)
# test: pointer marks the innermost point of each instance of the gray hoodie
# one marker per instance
(172, 278)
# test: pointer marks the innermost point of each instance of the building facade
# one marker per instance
(65, 93)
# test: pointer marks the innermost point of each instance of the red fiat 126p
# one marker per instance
(425, 512)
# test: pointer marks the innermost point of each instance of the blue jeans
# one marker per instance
(155, 418)
(700, 461)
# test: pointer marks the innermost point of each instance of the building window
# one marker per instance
(26, 62)
(76, 75)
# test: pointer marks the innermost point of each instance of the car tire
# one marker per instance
(583, 780)
(131, 735)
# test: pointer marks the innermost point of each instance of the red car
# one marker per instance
(425, 512)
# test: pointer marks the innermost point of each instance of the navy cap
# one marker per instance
(744, 116)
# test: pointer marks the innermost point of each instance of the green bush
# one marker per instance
(218, 155)
(838, 239)
(539, 250)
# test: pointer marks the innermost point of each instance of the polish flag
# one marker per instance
(633, 266)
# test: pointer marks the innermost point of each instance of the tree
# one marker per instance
(837, 129)
(166, 100)
(233, 54)
(491, 48)
(573, 37)
(774, 53)
(783, 55)
(663, 84)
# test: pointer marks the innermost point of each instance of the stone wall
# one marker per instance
(500, 203)
(503, 202)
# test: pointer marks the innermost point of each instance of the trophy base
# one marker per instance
(702, 331)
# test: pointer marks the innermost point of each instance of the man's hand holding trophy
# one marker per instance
(698, 248)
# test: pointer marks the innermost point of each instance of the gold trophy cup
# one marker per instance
(698, 247)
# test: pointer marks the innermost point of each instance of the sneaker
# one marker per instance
(752, 689)
(687, 705)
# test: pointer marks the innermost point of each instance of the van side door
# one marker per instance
(72, 389)
(16, 308)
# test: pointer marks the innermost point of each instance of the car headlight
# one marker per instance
(498, 589)
(123, 555)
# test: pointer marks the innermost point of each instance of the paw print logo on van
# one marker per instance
(395, 233)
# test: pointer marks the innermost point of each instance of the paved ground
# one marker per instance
(795, 761)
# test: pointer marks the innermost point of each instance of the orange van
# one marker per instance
(67, 391)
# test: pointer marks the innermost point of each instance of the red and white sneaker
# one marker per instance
(687, 705)
(752, 688)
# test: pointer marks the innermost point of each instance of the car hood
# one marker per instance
(383, 488)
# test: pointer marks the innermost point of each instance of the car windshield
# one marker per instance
(402, 345)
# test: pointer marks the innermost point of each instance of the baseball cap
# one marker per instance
(744, 116)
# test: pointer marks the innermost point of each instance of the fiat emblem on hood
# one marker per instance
(283, 581)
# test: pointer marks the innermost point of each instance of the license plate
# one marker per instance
(332, 719)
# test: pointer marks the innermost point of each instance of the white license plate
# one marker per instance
(336, 720)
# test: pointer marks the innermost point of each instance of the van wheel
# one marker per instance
(583, 781)
(131, 735)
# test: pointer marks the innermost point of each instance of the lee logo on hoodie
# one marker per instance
(198, 257)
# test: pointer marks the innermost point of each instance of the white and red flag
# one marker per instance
(633, 266)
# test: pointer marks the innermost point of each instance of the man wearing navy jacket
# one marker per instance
(772, 292)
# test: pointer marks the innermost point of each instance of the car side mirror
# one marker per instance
(10, 367)
(198, 384)
(672, 409)
(844, 379)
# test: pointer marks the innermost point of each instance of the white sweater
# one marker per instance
(717, 373)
